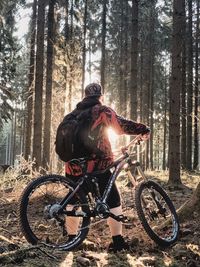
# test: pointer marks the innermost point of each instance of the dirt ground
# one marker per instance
(15, 251)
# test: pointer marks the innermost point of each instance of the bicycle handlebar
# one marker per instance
(135, 141)
(123, 150)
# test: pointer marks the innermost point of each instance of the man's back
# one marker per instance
(95, 141)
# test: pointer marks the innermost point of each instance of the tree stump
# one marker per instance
(190, 208)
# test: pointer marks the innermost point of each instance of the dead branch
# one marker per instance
(22, 253)
(3, 238)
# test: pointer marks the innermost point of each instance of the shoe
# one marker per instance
(118, 244)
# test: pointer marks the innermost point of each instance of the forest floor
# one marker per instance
(15, 251)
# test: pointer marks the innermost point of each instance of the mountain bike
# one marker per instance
(45, 204)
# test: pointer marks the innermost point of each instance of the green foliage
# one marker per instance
(9, 58)
(5, 106)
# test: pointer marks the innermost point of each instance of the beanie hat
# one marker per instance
(93, 89)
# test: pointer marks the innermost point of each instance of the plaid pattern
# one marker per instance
(104, 117)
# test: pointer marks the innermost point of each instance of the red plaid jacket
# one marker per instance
(106, 118)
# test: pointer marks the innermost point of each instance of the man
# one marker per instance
(103, 117)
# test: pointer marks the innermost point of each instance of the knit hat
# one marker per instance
(93, 89)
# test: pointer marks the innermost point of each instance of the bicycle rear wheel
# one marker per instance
(157, 213)
(39, 219)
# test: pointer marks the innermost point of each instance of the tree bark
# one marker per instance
(125, 59)
(134, 60)
(189, 89)
(66, 21)
(71, 67)
(29, 119)
(151, 93)
(196, 93)
(183, 95)
(174, 95)
(103, 44)
(141, 81)
(49, 81)
(65, 68)
(121, 62)
(165, 123)
(150, 79)
(72, 19)
(37, 137)
(84, 46)
(14, 134)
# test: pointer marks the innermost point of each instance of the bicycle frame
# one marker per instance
(118, 165)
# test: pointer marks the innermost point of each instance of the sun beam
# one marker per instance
(113, 137)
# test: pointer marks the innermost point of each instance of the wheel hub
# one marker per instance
(51, 210)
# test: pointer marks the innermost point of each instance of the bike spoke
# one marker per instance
(47, 229)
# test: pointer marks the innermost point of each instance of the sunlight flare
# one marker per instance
(113, 137)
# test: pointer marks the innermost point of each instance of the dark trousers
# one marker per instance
(113, 200)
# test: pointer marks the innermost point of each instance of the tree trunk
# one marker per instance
(196, 93)
(22, 134)
(174, 94)
(134, 60)
(49, 81)
(165, 123)
(90, 59)
(141, 81)
(187, 210)
(189, 89)
(183, 95)
(149, 99)
(151, 93)
(67, 37)
(66, 21)
(71, 67)
(121, 62)
(84, 46)
(14, 135)
(103, 44)
(29, 120)
(125, 59)
(72, 19)
(37, 137)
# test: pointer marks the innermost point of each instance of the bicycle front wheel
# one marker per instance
(157, 213)
(39, 219)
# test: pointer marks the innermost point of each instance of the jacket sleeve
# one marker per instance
(130, 127)
(122, 125)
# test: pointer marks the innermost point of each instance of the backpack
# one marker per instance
(73, 136)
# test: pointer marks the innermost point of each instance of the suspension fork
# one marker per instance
(144, 178)
(132, 178)
(140, 171)
(132, 175)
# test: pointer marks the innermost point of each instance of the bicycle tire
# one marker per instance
(141, 214)
(24, 203)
